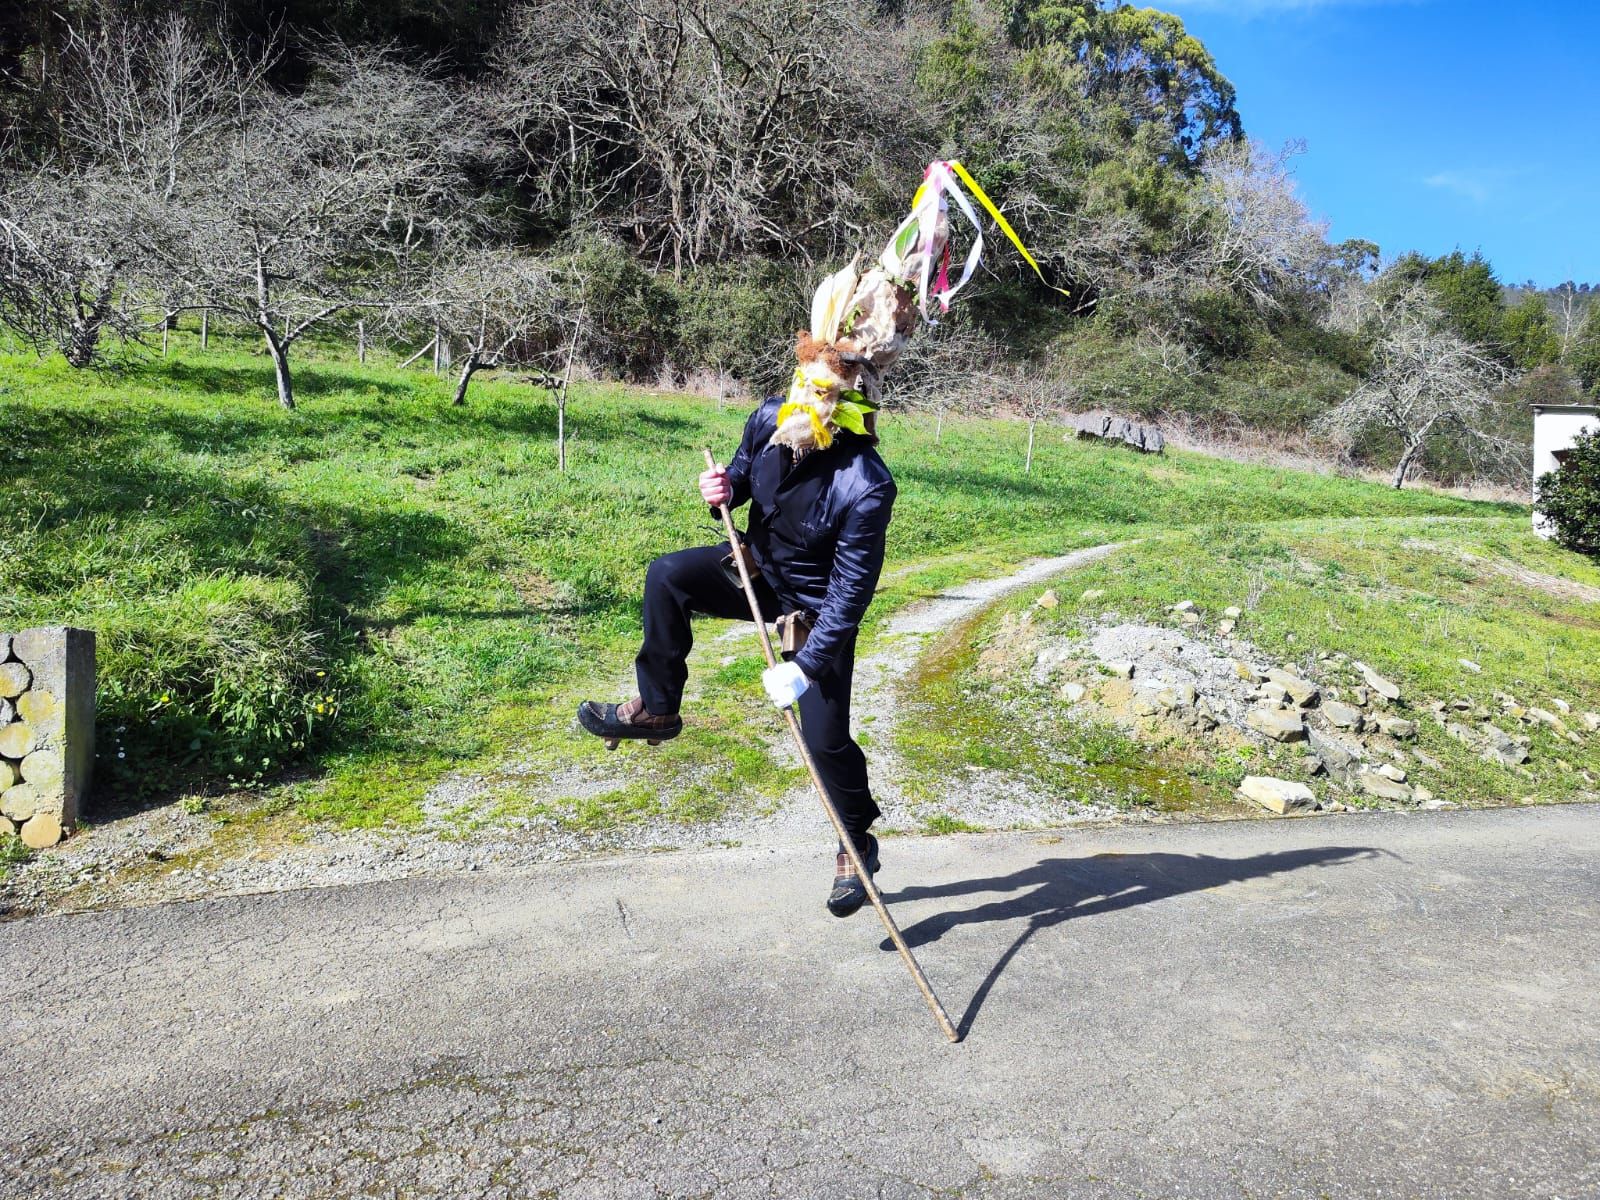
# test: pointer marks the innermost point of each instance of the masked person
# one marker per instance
(820, 498)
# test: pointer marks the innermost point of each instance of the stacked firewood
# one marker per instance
(46, 731)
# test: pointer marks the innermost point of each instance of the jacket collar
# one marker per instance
(798, 488)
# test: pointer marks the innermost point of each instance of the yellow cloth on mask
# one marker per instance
(819, 432)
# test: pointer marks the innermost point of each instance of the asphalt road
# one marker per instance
(1362, 1006)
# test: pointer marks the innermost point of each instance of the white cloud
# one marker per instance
(1476, 186)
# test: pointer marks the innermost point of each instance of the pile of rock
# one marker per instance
(1109, 427)
(1474, 725)
(1356, 731)
(1349, 735)
(1165, 674)
(46, 731)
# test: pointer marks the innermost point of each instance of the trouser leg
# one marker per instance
(676, 585)
(825, 722)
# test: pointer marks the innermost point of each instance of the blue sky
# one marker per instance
(1429, 124)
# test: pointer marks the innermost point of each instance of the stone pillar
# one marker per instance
(46, 731)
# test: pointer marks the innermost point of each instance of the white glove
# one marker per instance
(784, 683)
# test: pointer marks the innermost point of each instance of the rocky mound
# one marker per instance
(1333, 728)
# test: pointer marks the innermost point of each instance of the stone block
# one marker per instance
(1108, 427)
(1384, 687)
(1302, 691)
(1276, 795)
(1339, 754)
(1342, 716)
(1398, 728)
(1281, 725)
(1381, 786)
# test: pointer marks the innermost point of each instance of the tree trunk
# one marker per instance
(361, 342)
(468, 366)
(83, 340)
(561, 429)
(205, 328)
(1027, 466)
(1406, 459)
(938, 428)
(566, 383)
(438, 348)
(279, 350)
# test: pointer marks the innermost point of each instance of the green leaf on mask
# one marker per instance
(848, 416)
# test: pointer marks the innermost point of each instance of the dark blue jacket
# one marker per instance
(817, 528)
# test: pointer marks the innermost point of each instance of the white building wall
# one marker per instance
(1556, 429)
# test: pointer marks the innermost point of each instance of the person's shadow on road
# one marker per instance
(1056, 890)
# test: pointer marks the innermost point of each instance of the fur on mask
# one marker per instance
(805, 420)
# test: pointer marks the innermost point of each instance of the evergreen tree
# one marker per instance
(1569, 496)
(1529, 334)
(1584, 357)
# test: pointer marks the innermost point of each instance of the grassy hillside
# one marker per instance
(380, 586)
(1410, 596)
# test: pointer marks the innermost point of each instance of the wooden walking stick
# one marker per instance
(822, 793)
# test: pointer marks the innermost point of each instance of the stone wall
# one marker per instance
(46, 731)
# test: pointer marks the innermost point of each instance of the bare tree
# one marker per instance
(139, 97)
(66, 241)
(89, 227)
(1037, 398)
(697, 129)
(1425, 383)
(953, 367)
(1571, 315)
(501, 304)
(564, 389)
(1248, 231)
(319, 202)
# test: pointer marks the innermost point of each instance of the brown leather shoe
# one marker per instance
(615, 722)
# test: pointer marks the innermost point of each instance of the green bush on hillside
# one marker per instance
(1570, 496)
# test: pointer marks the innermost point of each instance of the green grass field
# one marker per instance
(346, 601)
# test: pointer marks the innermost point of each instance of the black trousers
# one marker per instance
(693, 581)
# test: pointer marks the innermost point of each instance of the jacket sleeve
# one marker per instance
(739, 466)
(857, 561)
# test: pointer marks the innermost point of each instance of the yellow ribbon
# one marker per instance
(820, 434)
(1005, 226)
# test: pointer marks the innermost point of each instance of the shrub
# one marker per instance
(1569, 496)
(630, 313)
(740, 318)
(222, 677)
(1222, 324)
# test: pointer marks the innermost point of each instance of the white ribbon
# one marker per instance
(931, 201)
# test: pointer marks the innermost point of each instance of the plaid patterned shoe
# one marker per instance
(628, 720)
(849, 893)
